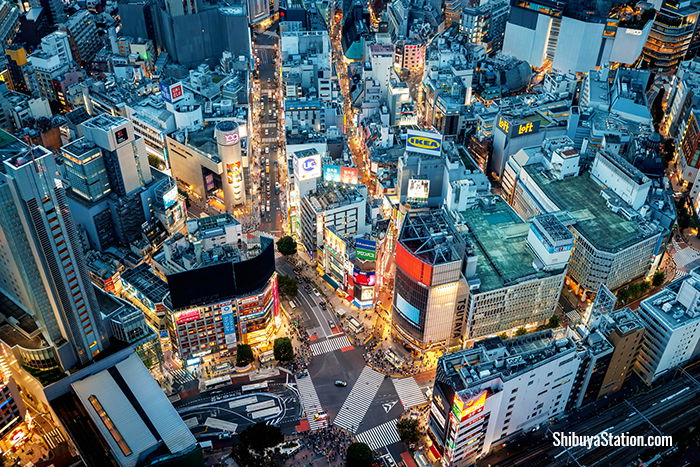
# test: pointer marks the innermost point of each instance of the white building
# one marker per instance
(627, 181)
(486, 395)
(672, 322)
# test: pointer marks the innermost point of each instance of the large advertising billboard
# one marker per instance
(228, 321)
(408, 311)
(366, 249)
(418, 191)
(308, 167)
(517, 129)
(462, 409)
(349, 175)
(170, 196)
(364, 278)
(331, 173)
(424, 142)
(171, 92)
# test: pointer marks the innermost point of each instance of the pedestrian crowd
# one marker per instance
(326, 446)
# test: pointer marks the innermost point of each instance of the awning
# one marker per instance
(435, 453)
(330, 280)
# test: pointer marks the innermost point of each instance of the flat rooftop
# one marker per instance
(673, 314)
(105, 121)
(81, 148)
(500, 237)
(580, 196)
(432, 237)
(143, 279)
(498, 358)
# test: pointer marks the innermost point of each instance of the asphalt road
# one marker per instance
(267, 98)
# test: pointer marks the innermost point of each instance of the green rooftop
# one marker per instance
(500, 236)
(594, 220)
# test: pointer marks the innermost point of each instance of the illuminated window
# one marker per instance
(126, 450)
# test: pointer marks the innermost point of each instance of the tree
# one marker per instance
(554, 322)
(283, 349)
(658, 278)
(244, 355)
(520, 332)
(286, 245)
(359, 455)
(644, 287)
(408, 430)
(261, 436)
(623, 296)
(288, 286)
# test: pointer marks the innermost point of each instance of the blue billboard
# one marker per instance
(331, 173)
(423, 142)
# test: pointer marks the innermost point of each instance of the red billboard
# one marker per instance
(349, 175)
(187, 316)
(413, 266)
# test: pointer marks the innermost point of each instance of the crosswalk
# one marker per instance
(53, 438)
(360, 398)
(310, 402)
(380, 436)
(329, 345)
(684, 256)
(409, 392)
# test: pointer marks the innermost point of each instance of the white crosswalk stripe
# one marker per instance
(361, 396)
(53, 438)
(409, 392)
(685, 256)
(310, 402)
(380, 436)
(329, 345)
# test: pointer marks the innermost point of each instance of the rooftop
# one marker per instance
(105, 122)
(81, 148)
(432, 236)
(581, 197)
(505, 359)
(146, 282)
(329, 195)
(500, 237)
(667, 307)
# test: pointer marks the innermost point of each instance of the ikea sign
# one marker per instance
(424, 142)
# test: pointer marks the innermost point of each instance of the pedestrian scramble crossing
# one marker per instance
(360, 398)
(380, 436)
(310, 402)
(53, 438)
(409, 392)
(329, 345)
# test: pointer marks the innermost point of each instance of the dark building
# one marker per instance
(33, 25)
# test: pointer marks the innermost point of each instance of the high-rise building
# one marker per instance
(85, 169)
(43, 265)
(671, 34)
(85, 42)
(430, 292)
(491, 393)
(55, 9)
(671, 319)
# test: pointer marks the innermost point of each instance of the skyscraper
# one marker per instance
(43, 267)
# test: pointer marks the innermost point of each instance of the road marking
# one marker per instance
(329, 345)
(380, 436)
(358, 401)
(388, 405)
(409, 392)
(310, 401)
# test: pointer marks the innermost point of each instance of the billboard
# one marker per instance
(229, 323)
(408, 311)
(121, 135)
(334, 242)
(364, 278)
(234, 174)
(424, 142)
(171, 92)
(187, 316)
(170, 196)
(463, 409)
(308, 167)
(331, 173)
(418, 191)
(366, 249)
(349, 175)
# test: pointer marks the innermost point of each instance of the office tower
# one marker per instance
(487, 395)
(17, 69)
(9, 21)
(671, 34)
(54, 8)
(671, 319)
(43, 265)
(85, 169)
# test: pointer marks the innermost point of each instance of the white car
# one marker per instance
(316, 292)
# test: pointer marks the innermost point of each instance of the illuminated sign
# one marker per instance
(514, 130)
(633, 32)
(334, 242)
(331, 173)
(121, 135)
(364, 278)
(349, 175)
(423, 142)
(365, 249)
(308, 167)
(231, 138)
(462, 410)
(170, 197)
(187, 316)
(229, 324)
(234, 174)
(171, 92)
(418, 191)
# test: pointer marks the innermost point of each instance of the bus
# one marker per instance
(221, 380)
(267, 356)
(256, 387)
(354, 325)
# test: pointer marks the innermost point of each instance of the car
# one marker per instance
(316, 292)
(341, 383)
(321, 415)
